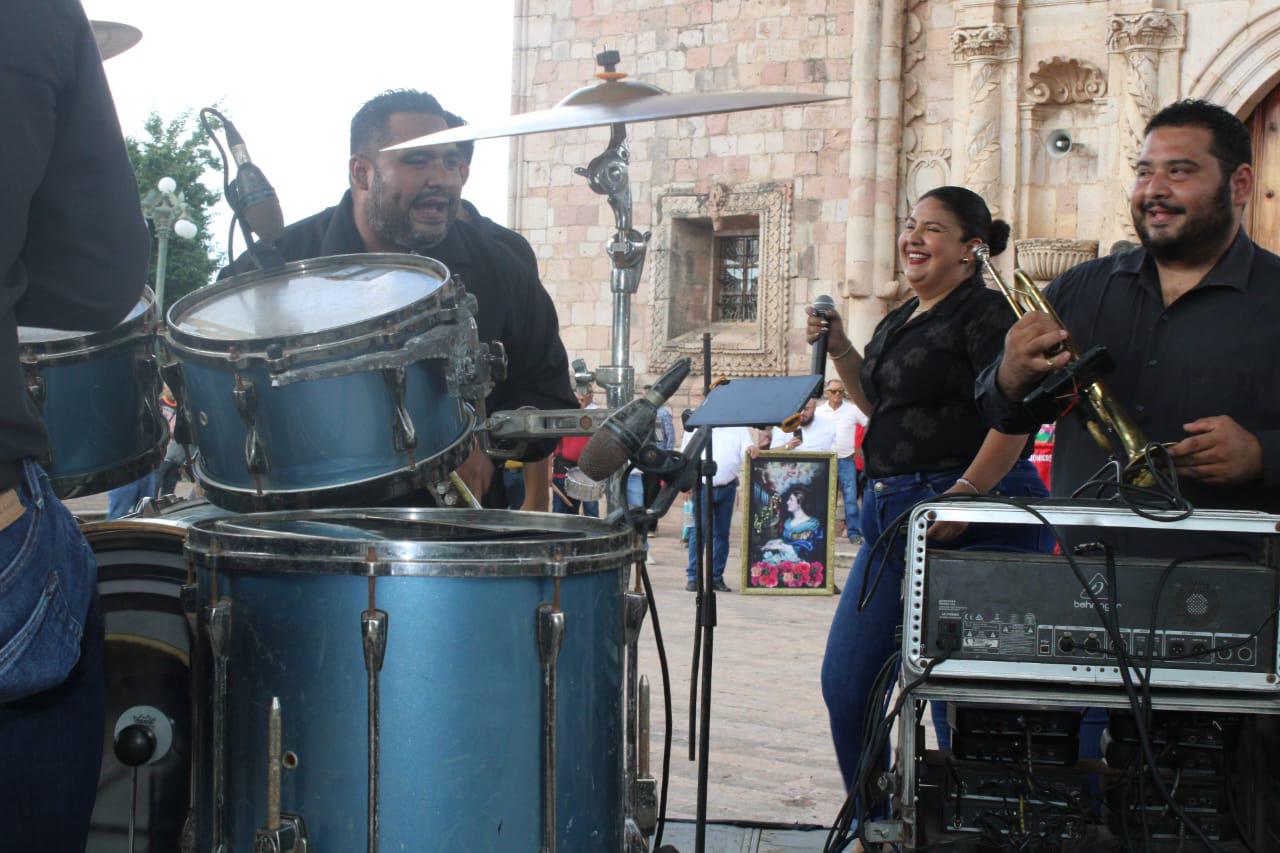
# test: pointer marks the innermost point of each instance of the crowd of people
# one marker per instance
(930, 405)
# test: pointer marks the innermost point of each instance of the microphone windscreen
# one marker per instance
(604, 454)
(823, 303)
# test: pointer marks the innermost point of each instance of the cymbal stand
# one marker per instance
(608, 175)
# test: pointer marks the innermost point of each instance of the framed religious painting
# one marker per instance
(788, 516)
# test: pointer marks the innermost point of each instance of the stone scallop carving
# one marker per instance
(1044, 259)
(1066, 81)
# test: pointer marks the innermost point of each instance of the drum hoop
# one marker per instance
(222, 545)
(388, 329)
(67, 486)
(383, 487)
(64, 351)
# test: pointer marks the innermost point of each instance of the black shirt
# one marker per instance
(1214, 351)
(73, 244)
(918, 374)
(514, 241)
(514, 307)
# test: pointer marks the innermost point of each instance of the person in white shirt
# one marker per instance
(728, 446)
(846, 418)
(813, 435)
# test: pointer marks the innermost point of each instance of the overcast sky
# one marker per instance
(290, 75)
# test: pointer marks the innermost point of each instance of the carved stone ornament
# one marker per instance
(1144, 30)
(976, 43)
(759, 349)
(1044, 259)
(1066, 81)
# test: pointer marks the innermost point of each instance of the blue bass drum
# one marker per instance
(98, 394)
(403, 679)
(337, 381)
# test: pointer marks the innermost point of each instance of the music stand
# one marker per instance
(757, 402)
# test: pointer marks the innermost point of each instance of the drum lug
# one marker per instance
(496, 357)
(255, 452)
(147, 368)
(406, 437)
(645, 792)
(35, 384)
(550, 639)
(289, 837)
(373, 632)
(219, 626)
(633, 839)
(634, 608)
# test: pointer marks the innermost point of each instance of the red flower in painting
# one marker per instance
(817, 575)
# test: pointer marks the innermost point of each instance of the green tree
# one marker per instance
(183, 154)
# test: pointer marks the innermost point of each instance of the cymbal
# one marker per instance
(114, 39)
(617, 101)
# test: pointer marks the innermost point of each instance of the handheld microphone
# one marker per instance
(624, 432)
(253, 197)
(821, 305)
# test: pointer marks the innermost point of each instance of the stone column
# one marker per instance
(875, 133)
(979, 54)
(1138, 40)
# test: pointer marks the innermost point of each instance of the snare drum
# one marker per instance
(147, 664)
(331, 382)
(460, 670)
(98, 395)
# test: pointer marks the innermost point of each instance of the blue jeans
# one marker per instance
(124, 500)
(513, 482)
(722, 498)
(847, 477)
(859, 643)
(51, 685)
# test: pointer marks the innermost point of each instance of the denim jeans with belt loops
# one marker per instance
(859, 643)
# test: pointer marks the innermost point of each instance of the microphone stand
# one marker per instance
(706, 605)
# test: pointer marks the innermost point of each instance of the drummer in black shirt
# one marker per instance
(409, 201)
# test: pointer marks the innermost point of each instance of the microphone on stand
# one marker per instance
(624, 432)
(821, 305)
(253, 197)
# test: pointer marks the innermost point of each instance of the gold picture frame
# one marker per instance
(788, 517)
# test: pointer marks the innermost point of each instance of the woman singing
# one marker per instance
(925, 436)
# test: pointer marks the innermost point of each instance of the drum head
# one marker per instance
(50, 338)
(433, 542)
(309, 298)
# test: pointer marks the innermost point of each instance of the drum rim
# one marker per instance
(386, 486)
(67, 486)
(84, 347)
(237, 544)
(409, 318)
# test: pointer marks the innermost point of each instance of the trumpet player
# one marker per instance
(1191, 318)
(925, 437)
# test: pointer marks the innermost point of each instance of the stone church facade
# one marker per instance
(1038, 105)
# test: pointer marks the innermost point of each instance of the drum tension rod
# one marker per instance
(373, 632)
(284, 833)
(550, 637)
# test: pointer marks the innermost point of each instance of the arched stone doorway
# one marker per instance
(1264, 209)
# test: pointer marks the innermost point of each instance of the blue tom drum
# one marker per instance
(337, 381)
(98, 394)
(405, 679)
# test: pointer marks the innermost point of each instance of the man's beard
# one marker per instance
(1202, 234)
(394, 226)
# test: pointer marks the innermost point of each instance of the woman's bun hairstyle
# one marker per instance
(998, 239)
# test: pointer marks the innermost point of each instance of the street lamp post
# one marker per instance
(168, 212)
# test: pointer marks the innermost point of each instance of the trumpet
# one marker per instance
(1111, 427)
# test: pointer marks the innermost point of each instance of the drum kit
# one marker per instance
(304, 676)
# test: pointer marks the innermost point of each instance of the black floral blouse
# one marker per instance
(919, 373)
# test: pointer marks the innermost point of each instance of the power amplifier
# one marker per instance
(1027, 616)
